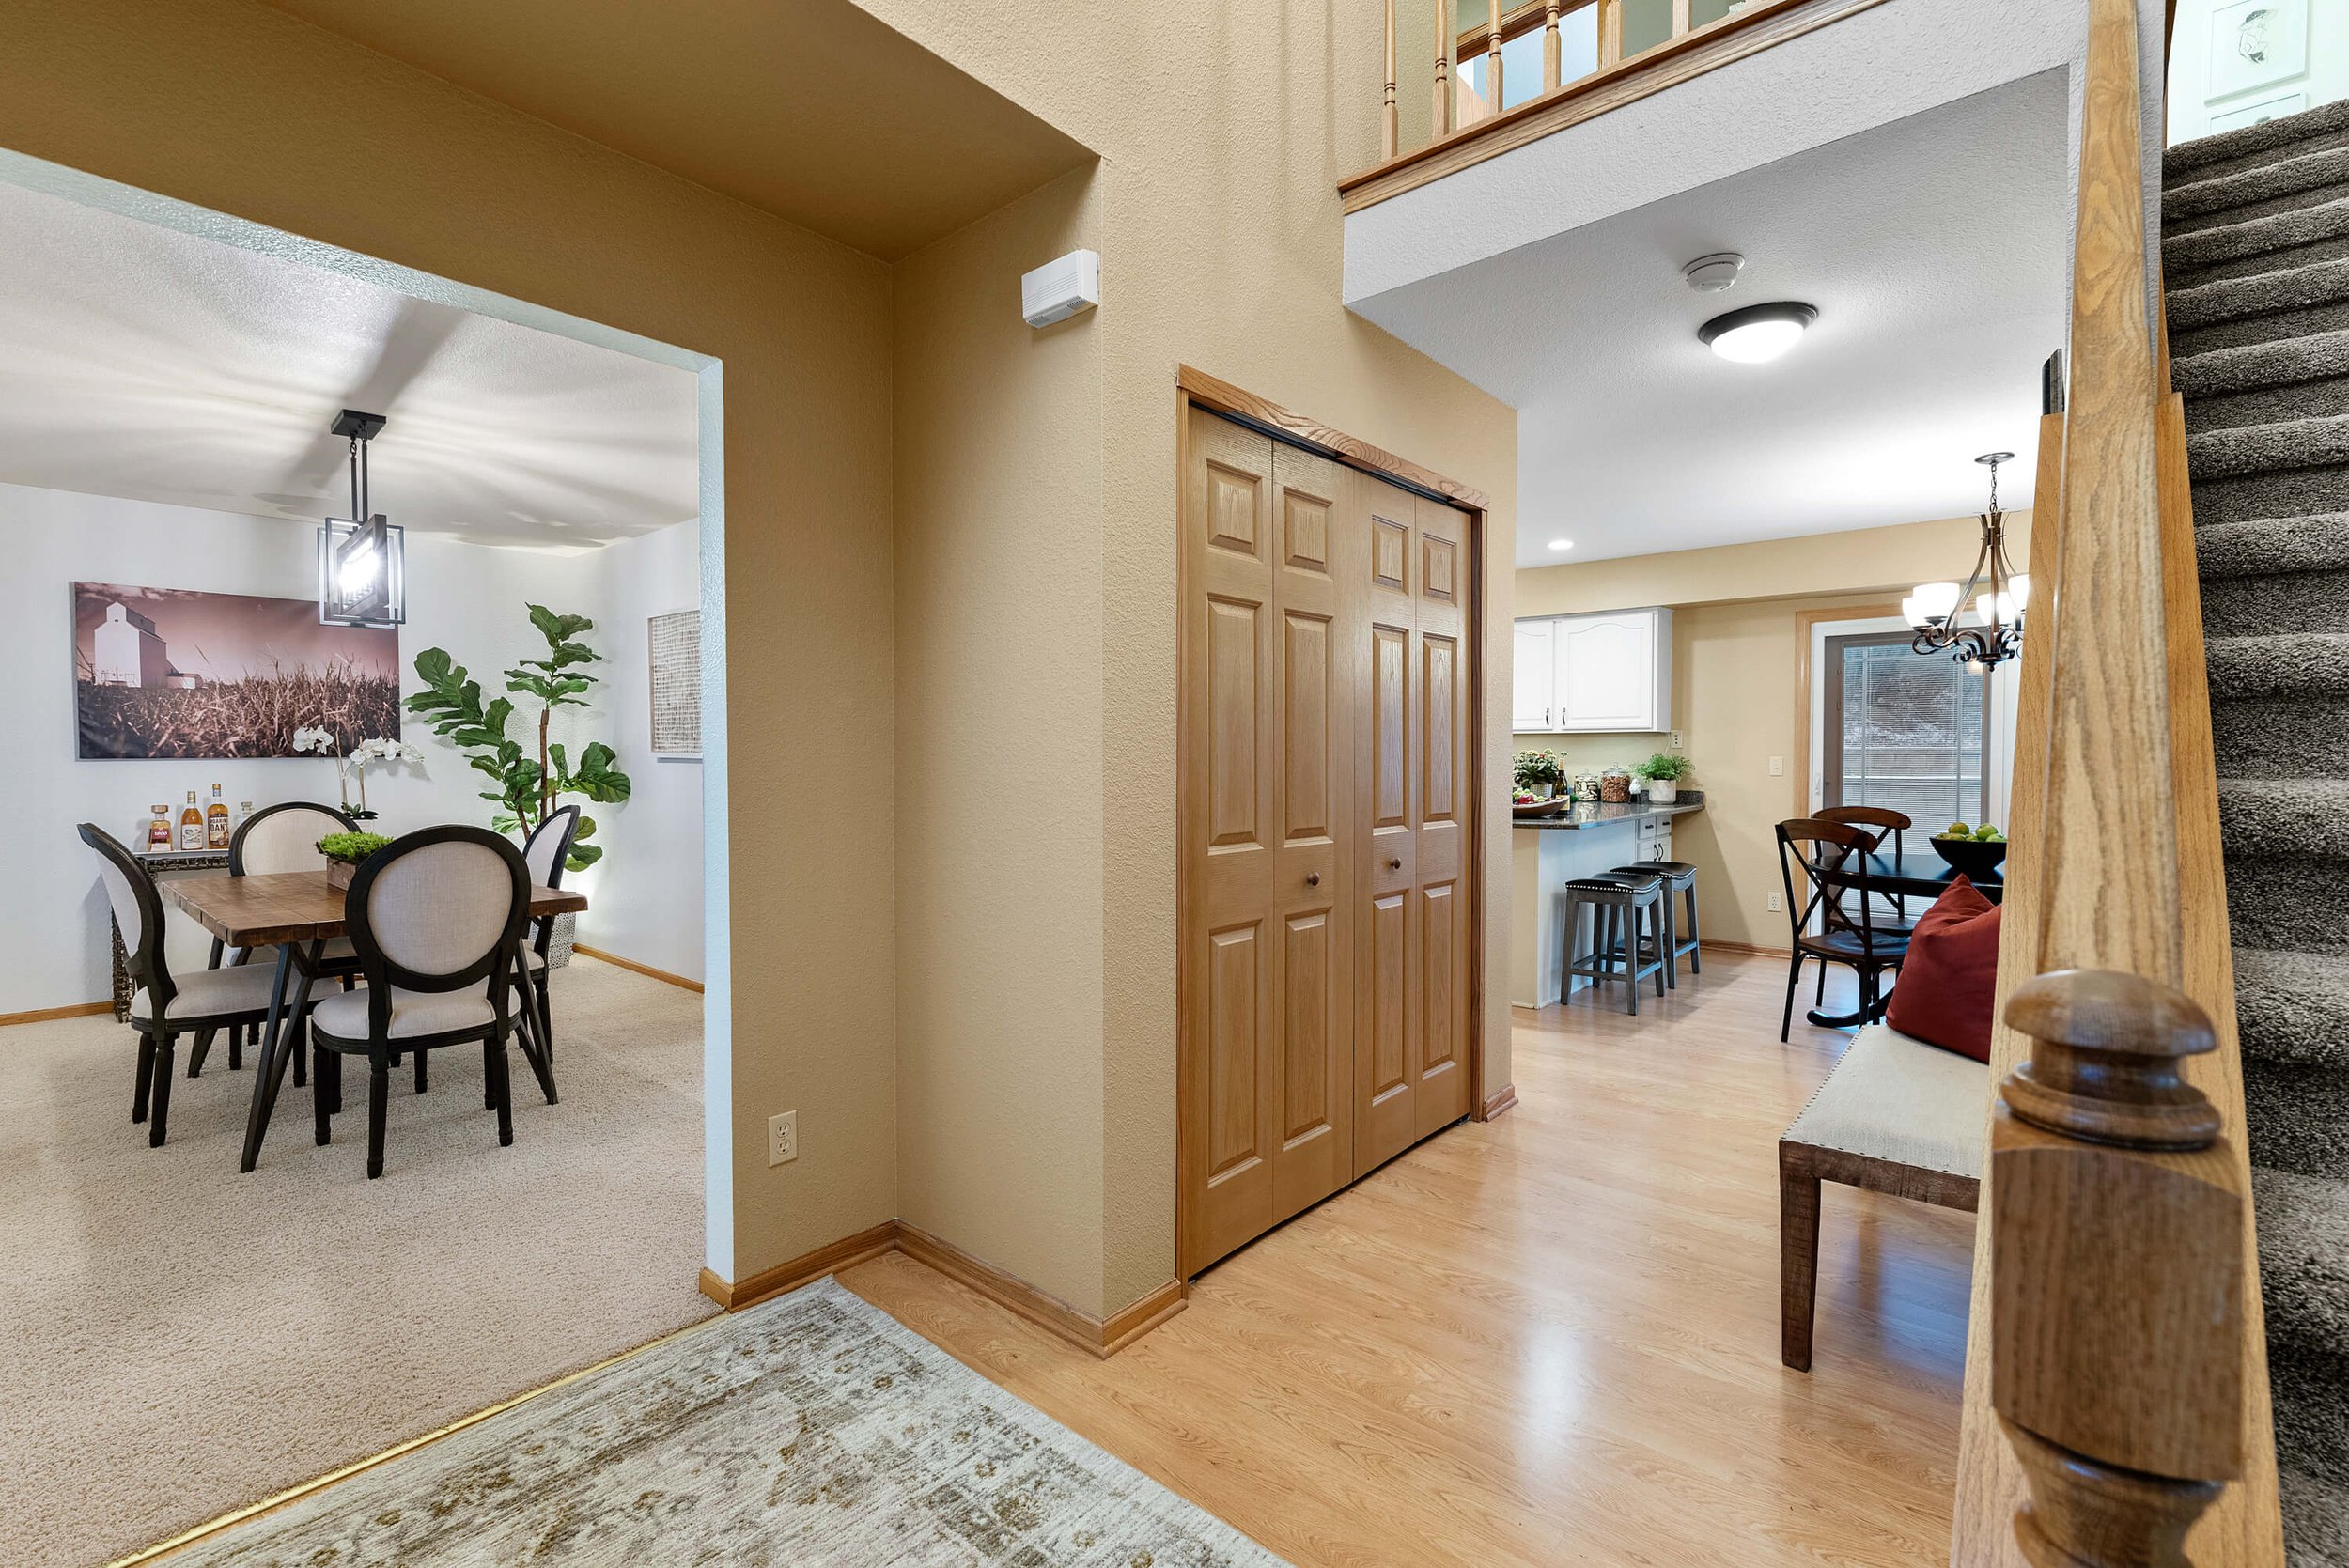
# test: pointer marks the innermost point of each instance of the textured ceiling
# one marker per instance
(1936, 250)
(811, 109)
(159, 366)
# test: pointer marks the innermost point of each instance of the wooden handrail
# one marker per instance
(2116, 1406)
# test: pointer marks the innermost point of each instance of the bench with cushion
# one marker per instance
(1895, 1115)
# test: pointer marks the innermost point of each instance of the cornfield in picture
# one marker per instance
(176, 674)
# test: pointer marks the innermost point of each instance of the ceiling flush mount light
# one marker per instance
(1562, 544)
(1711, 274)
(363, 578)
(1998, 593)
(1758, 333)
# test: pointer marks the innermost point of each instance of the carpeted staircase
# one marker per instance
(2255, 247)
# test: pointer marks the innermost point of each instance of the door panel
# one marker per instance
(1442, 1090)
(1386, 1053)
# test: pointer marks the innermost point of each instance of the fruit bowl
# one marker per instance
(1975, 857)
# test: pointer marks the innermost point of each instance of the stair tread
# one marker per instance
(2303, 1255)
(2284, 819)
(2271, 231)
(2216, 193)
(2254, 367)
(2205, 305)
(2286, 664)
(2293, 1006)
(2273, 547)
(2291, 444)
(2245, 140)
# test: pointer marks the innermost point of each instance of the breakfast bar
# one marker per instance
(1580, 840)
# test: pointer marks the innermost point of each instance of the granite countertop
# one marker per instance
(1599, 815)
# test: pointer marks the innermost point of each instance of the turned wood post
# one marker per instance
(1387, 125)
(1492, 59)
(1442, 124)
(2116, 1282)
(1550, 51)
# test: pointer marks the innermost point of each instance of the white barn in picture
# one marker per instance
(126, 650)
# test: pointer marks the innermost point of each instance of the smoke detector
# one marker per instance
(1710, 275)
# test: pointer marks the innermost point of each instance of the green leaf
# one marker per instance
(583, 855)
(585, 830)
(433, 666)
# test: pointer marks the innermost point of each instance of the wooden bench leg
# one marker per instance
(1798, 1252)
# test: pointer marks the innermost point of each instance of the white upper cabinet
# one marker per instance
(1609, 672)
(1534, 707)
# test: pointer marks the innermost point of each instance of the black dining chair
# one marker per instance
(1886, 823)
(164, 1006)
(437, 918)
(545, 853)
(1819, 862)
(279, 838)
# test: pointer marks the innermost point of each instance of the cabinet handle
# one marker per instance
(1313, 878)
(1545, 721)
(1393, 863)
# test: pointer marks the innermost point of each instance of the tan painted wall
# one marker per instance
(1222, 135)
(1736, 701)
(242, 109)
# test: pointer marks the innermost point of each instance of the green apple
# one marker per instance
(1957, 829)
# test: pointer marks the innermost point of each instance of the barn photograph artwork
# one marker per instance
(175, 673)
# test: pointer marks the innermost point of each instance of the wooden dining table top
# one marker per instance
(1915, 876)
(296, 906)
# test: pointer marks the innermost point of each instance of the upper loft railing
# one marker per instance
(1594, 55)
(2116, 1401)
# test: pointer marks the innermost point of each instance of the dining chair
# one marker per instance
(164, 1006)
(1886, 821)
(279, 838)
(546, 850)
(436, 917)
(1818, 862)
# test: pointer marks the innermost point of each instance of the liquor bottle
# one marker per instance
(158, 832)
(244, 813)
(216, 824)
(190, 825)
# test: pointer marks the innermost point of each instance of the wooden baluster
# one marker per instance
(1442, 124)
(1386, 122)
(1680, 17)
(1609, 33)
(1550, 51)
(2117, 1254)
(1492, 59)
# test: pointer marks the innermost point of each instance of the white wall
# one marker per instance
(467, 598)
(2325, 79)
(645, 896)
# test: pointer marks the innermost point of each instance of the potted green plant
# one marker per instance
(1663, 772)
(344, 851)
(1538, 775)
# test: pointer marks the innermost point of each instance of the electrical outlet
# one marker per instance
(1778, 767)
(783, 1133)
(1778, 903)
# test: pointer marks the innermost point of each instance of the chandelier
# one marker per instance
(1998, 593)
(361, 558)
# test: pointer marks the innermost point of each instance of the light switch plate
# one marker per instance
(1778, 767)
(783, 1134)
(1675, 740)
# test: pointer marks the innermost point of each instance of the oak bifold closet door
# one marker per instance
(1324, 838)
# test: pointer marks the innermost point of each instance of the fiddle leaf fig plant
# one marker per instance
(527, 787)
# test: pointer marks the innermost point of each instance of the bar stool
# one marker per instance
(1680, 878)
(1621, 940)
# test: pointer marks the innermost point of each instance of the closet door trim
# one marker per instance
(1197, 389)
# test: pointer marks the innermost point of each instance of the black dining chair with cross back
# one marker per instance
(437, 920)
(1819, 863)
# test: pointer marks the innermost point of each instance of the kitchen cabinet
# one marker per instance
(1602, 673)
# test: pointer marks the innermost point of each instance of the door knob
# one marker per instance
(1313, 878)
(1393, 864)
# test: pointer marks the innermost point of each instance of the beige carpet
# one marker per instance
(177, 1340)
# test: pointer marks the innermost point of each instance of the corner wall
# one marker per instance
(240, 108)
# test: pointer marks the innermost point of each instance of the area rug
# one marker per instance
(812, 1430)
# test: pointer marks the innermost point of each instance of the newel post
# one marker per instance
(2116, 1283)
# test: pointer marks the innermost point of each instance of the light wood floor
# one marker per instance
(1550, 1338)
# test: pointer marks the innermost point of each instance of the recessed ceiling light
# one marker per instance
(1758, 333)
(1562, 544)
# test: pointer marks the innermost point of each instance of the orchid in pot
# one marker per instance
(352, 764)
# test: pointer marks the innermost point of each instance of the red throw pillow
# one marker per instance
(1951, 976)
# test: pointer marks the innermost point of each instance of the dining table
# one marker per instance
(1903, 875)
(298, 912)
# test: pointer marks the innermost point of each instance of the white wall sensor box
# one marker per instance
(1061, 288)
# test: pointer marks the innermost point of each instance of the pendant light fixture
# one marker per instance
(1998, 592)
(363, 578)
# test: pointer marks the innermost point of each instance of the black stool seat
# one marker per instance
(1681, 877)
(1628, 915)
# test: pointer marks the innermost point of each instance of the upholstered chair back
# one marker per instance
(550, 846)
(137, 907)
(284, 838)
(438, 908)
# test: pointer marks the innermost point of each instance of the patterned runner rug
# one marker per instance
(812, 1430)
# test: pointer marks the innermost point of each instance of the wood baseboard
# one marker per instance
(1709, 946)
(45, 1015)
(1099, 1336)
(1501, 1099)
(648, 970)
